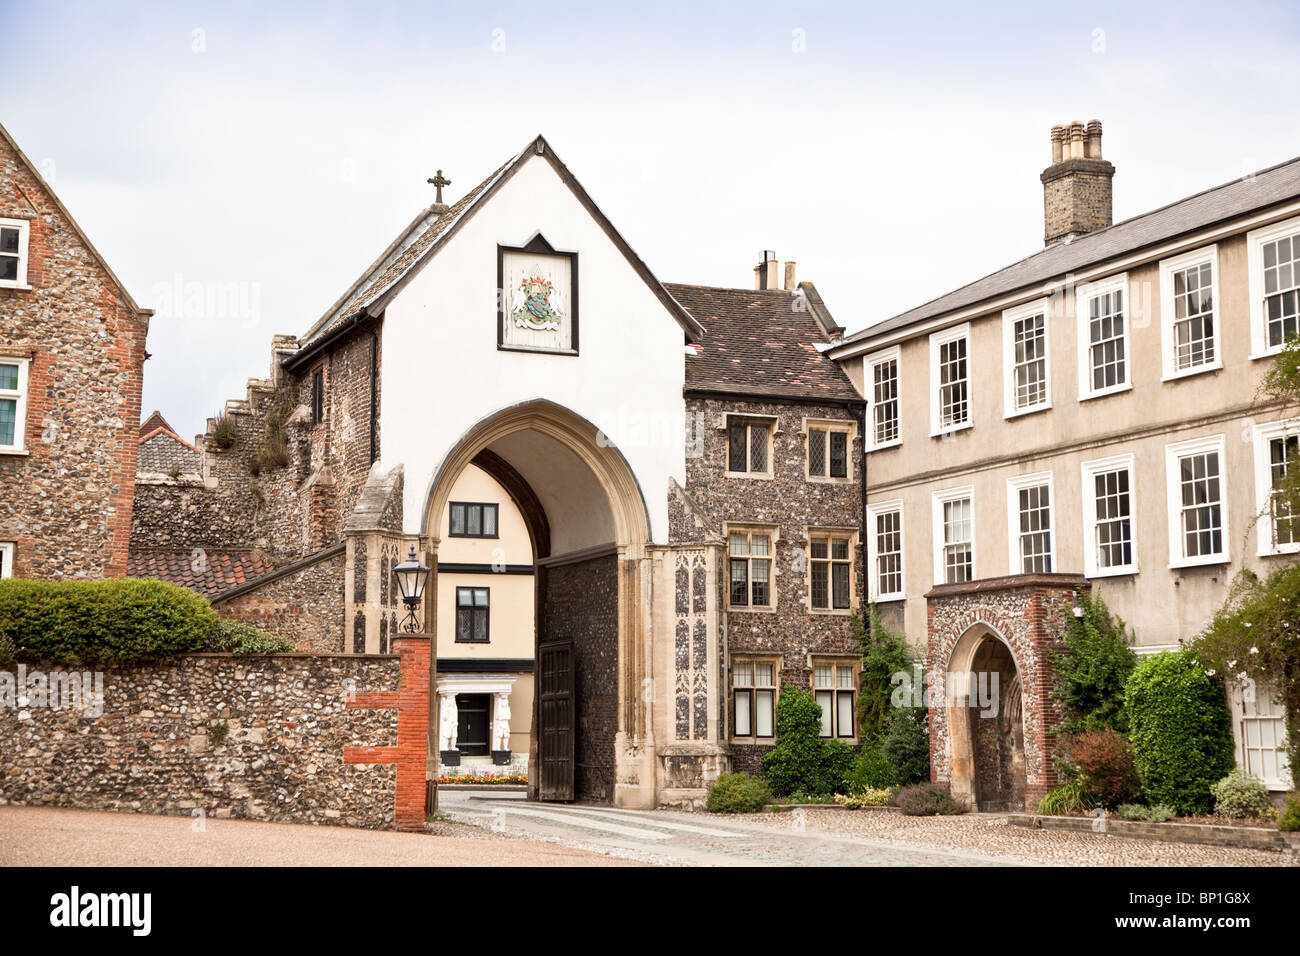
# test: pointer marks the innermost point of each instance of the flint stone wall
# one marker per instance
(154, 749)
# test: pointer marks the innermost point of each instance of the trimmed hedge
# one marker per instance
(115, 620)
(738, 793)
(244, 640)
(1181, 731)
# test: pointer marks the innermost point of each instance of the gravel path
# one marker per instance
(40, 836)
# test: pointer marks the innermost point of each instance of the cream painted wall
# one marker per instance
(1162, 604)
(442, 371)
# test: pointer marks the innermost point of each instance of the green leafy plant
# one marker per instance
(927, 800)
(242, 640)
(870, 770)
(218, 732)
(1180, 728)
(7, 653)
(868, 797)
(884, 654)
(1241, 795)
(114, 620)
(1068, 798)
(1157, 814)
(1103, 760)
(1288, 820)
(738, 793)
(801, 758)
(905, 743)
(1092, 668)
(224, 431)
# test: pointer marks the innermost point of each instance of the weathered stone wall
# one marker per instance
(66, 504)
(791, 503)
(154, 749)
(304, 606)
(582, 606)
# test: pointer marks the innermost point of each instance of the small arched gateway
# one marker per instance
(993, 718)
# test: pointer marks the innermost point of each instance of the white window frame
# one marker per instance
(873, 551)
(1014, 486)
(1244, 711)
(1083, 296)
(937, 500)
(1173, 453)
(938, 339)
(24, 228)
(1255, 239)
(869, 388)
(1089, 470)
(1262, 436)
(1009, 319)
(20, 412)
(1168, 313)
(6, 559)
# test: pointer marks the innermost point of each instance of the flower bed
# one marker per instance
(483, 779)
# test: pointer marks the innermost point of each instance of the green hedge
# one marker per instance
(243, 640)
(115, 620)
(1181, 731)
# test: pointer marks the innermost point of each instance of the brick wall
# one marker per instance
(67, 504)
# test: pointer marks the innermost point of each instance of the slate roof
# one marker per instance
(221, 569)
(756, 344)
(1242, 196)
(161, 449)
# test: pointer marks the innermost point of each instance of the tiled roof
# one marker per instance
(1237, 198)
(218, 570)
(757, 343)
(161, 451)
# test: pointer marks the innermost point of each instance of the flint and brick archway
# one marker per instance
(1004, 625)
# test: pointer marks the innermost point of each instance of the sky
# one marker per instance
(262, 155)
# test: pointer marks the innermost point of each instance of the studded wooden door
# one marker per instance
(555, 733)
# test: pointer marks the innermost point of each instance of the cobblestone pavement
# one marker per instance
(41, 836)
(822, 837)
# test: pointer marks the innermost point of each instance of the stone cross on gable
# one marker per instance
(438, 181)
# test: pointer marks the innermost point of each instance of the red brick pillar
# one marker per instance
(412, 702)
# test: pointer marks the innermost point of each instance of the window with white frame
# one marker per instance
(828, 449)
(1030, 526)
(14, 235)
(1024, 340)
(882, 396)
(1273, 268)
(6, 559)
(1198, 518)
(830, 570)
(950, 380)
(1103, 337)
(885, 551)
(753, 695)
(13, 403)
(1261, 736)
(1277, 451)
(749, 559)
(1188, 298)
(834, 687)
(1110, 538)
(954, 536)
(749, 445)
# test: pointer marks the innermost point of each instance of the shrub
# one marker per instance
(1181, 730)
(224, 431)
(1288, 821)
(870, 771)
(836, 762)
(905, 743)
(869, 797)
(927, 800)
(737, 793)
(1157, 814)
(802, 759)
(1103, 760)
(884, 654)
(1068, 798)
(1093, 669)
(115, 620)
(1241, 795)
(243, 639)
(6, 650)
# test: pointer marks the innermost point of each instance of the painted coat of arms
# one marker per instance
(537, 304)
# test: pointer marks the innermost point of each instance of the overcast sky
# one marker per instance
(893, 152)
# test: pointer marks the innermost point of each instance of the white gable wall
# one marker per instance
(442, 372)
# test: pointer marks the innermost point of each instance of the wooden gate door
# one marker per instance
(555, 733)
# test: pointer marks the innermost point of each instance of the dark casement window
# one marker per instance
(750, 555)
(830, 566)
(318, 396)
(834, 686)
(473, 520)
(747, 446)
(753, 699)
(828, 453)
(472, 615)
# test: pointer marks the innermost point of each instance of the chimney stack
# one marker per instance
(765, 273)
(789, 277)
(1077, 186)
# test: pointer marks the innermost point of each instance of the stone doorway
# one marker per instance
(997, 735)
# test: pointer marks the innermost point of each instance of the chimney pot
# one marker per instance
(789, 277)
(1094, 139)
(1058, 144)
(766, 275)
